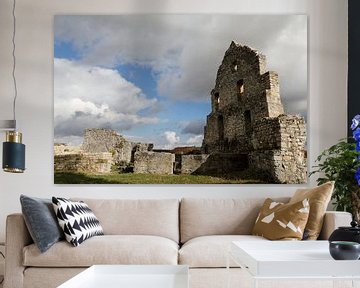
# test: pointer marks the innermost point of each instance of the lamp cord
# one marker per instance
(14, 61)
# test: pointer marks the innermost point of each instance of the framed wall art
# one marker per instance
(180, 99)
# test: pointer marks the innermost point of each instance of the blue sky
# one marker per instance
(173, 115)
(149, 77)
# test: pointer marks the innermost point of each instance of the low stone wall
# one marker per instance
(153, 162)
(190, 163)
(65, 149)
(223, 163)
(83, 162)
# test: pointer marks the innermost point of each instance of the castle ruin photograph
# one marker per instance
(191, 105)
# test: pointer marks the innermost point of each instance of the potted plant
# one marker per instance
(341, 163)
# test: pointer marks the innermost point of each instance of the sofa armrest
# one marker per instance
(17, 237)
(333, 220)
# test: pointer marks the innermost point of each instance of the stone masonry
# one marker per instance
(191, 163)
(279, 145)
(83, 162)
(61, 149)
(248, 118)
(154, 162)
(222, 164)
(107, 140)
(104, 148)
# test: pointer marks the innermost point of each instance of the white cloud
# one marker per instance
(93, 97)
(169, 140)
(184, 51)
(171, 137)
(195, 140)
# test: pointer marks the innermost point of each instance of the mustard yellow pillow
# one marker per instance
(319, 198)
(279, 221)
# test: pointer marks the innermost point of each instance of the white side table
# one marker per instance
(294, 262)
(131, 276)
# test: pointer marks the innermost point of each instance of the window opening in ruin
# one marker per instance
(234, 66)
(240, 86)
(248, 126)
(221, 127)
(217, 100)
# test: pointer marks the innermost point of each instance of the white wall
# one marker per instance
(327, 90)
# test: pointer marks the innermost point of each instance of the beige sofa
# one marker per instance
(194, 232)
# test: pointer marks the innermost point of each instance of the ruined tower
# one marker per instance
(248, 118)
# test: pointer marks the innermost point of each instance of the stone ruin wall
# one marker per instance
(244, 92)
(191, 163)
(83, 162)
(104, 148)
(279, 145)
(124, 152)
(222, 164)
(107, 140)
(248, 118)
(154, 162)
(101, 149)
(62, 149)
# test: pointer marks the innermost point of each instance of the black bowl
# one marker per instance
(344, 250)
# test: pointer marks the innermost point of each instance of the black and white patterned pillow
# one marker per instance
(77, 220)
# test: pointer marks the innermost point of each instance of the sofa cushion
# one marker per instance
(77, 220)
(211, 251)
(107, 249)
(200, 217)
(41, 221)
(158, 217)
(319, 198)
(279, 221)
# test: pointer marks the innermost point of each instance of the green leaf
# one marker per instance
(338, 163)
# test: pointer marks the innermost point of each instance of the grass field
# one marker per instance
(244, 177)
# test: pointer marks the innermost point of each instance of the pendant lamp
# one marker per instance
(13, 159)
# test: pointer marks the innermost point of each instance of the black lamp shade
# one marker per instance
(13, 157)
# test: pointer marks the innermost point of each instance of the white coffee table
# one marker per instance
(292, 260)
(131, 276)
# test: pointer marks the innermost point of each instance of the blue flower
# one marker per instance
(355, 126)
(356, 134)
(357, 176)
(355, 122)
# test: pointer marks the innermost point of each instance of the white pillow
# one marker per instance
(76, 220)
